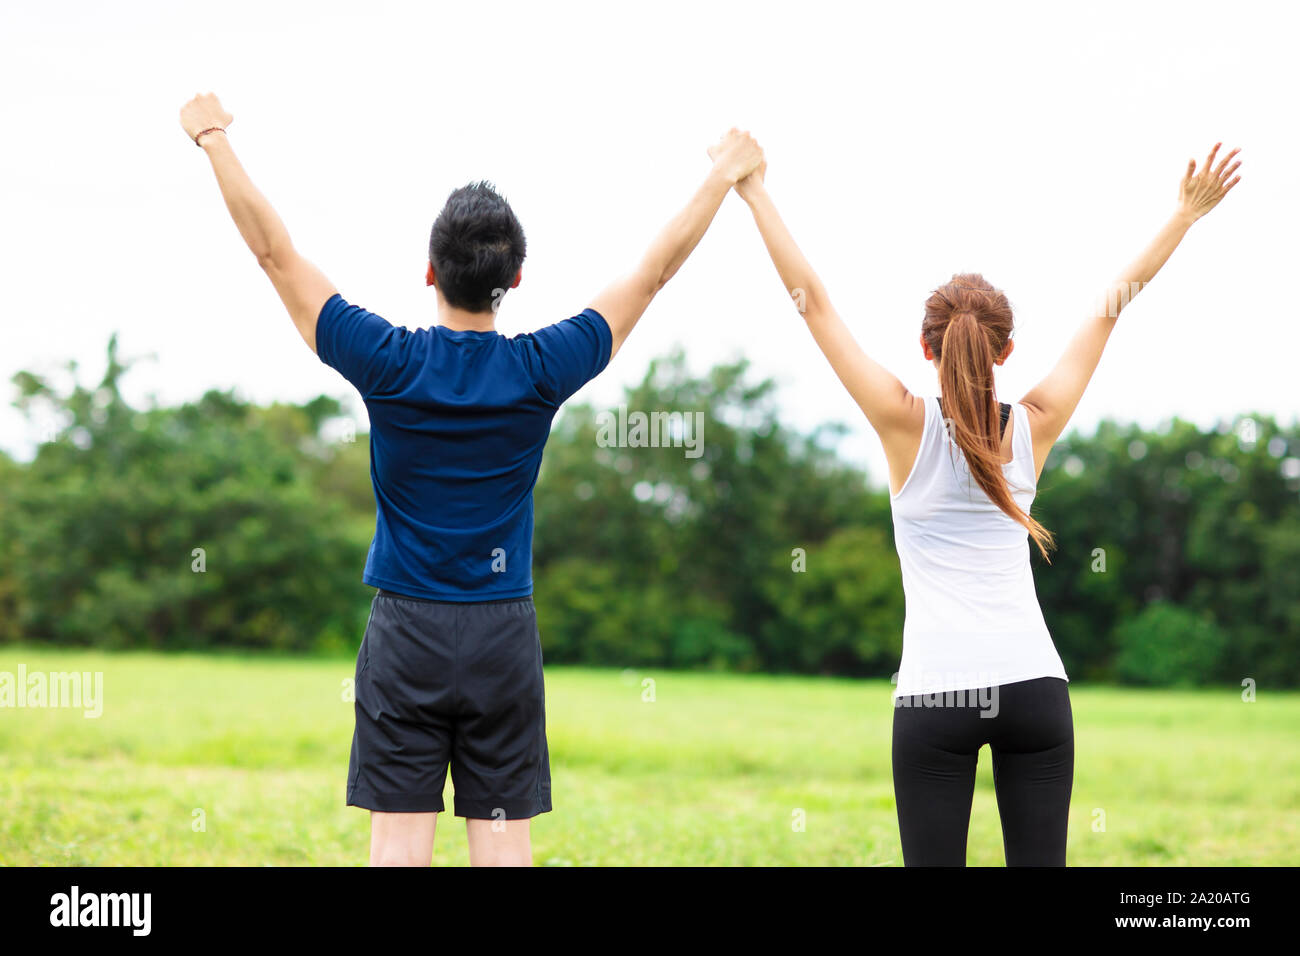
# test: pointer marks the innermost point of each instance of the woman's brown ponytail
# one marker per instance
(967, 326)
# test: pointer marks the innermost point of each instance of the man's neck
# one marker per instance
(462, 320)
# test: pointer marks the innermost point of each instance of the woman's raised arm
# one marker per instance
(895, 413)
(1053, 400)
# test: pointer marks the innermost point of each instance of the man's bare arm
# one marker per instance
(624, 301)
(302, 287)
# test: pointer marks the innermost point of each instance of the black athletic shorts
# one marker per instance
(442, 684)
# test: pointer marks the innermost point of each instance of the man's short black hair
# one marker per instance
(476, 248)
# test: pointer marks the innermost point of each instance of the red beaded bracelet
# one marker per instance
(210, 129)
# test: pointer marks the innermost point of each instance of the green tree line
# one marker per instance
(731, 542)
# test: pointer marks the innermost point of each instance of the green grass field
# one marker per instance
(716, 770)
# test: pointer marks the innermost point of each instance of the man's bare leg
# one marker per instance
(401, 839)
(511, 846)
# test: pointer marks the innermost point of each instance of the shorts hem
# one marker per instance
(500, 809)
(396, 802)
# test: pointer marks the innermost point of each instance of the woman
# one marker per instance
(978, 666)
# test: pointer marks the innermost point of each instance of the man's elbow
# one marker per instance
(649, 280)
(274, 256)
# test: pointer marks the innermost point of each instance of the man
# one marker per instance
(450, 668)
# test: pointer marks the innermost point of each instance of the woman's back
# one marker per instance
(973, 618)
(963, 528)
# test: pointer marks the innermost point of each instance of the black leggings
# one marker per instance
(1030, 730)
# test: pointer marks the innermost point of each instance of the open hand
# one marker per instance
(1200, 192)
(736, 155)
(204, 112)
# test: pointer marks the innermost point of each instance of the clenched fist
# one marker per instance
(204, 112)
(736, 155)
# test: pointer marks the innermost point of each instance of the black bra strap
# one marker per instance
(1004, 412)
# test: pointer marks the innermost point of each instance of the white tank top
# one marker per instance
(973, 618)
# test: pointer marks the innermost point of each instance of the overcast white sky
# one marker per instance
(1037, 143)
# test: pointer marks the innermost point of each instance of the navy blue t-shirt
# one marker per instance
(458, 421)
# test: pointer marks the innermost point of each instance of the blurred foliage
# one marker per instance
(1208, 521)
(1168, 644)
(1178, 554)
(685, 556)
(103, 532)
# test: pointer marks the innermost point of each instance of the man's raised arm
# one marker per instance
(735, 156)
(302, 287)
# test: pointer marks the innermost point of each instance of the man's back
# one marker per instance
(458, 421)
(449, 673)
